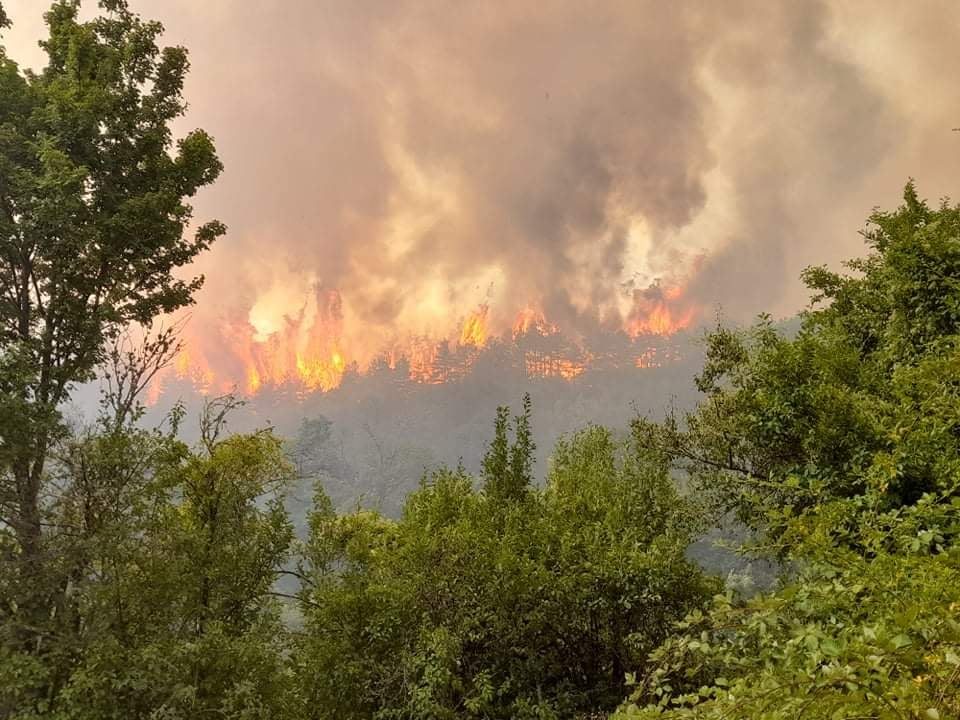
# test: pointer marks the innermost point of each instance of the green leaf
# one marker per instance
(900, 641)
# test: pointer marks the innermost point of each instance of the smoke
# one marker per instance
(426, 158)
(436, 156)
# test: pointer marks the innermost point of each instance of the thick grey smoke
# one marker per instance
(425, 157)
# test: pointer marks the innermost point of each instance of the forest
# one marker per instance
(146, 576)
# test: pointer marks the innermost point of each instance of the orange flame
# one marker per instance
(422, 362)
(659, 311)
(545, 366)
(307, 352)
(474, 330)
(529, 319)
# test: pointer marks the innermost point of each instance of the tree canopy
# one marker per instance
(93, 214)
(840, 446)
(499, 601)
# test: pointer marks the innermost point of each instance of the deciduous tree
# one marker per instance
(93, 214)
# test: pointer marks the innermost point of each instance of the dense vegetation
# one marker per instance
(141, 577)
(503, 601)
(841, 447)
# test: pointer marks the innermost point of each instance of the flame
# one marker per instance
(530, 319)
(320, 373)
(659, 311)
(253, 380)
(306, 350)
(195, 369)
(182, 363)
(647, 359)
(474, 330)
(422, 362)
(545, 366)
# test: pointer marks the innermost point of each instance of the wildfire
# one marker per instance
(306, 350)
(253, 380)
(529, 319)
(422, 362)
(539, 365)
(192, 368)
(321, 373)
(659, 311)
(647, 359)
(474, 330)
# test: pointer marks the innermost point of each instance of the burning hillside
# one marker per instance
(309, 350)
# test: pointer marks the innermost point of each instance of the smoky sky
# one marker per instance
(425, 157)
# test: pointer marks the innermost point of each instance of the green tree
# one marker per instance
(93, 209)
(840, 446)
(532, 603)
(169, 558)
(508, 468)
(793, 421)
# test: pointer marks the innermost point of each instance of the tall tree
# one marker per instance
(93, 190)
(508, 468)
(841, 445)
(166, 560)
(793, 421)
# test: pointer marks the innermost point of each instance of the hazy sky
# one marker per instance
(424, 157)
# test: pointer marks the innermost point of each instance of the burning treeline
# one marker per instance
(309, 352)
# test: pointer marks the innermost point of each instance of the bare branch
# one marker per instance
(131, 366)
(214, 418)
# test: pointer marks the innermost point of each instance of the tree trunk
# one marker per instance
(28, 528)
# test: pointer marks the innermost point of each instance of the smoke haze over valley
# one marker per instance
(410, 182)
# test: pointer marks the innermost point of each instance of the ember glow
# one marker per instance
(308, 350)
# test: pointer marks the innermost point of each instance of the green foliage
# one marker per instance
(508, 468)
(159, 575)
(903, 304)
(841, 446)
(863, 395)
(850, 636)
(470, 606)
(93, 209)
